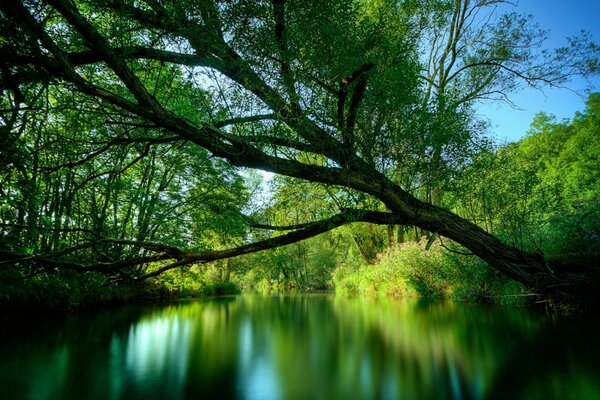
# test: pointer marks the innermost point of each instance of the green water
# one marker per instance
(301, 347)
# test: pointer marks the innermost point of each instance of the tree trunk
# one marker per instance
(553, 280)
(390, 235)
(361, 249)
(400, 234)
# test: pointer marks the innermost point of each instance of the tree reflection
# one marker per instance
(296, 347)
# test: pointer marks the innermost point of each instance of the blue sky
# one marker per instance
(563, 18)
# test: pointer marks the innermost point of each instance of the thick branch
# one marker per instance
(98, 43)
(281, 38)
(306, 231)
(357, 96)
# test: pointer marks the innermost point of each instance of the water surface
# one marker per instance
(301, 347)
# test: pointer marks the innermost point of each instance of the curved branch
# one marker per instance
(454, 251)
(108, 146)
(164, 252)
(357, 97)
(304, 232)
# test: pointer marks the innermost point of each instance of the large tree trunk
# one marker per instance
(553, 280)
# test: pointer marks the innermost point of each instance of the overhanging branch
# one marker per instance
(180, 258)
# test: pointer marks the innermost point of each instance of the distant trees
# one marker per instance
(541, 193)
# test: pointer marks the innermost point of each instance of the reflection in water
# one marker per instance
(300, 347)
(257, 378)
(155, 351)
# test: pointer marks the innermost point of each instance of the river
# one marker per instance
(256, 346)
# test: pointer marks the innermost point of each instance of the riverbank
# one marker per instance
(72, 293)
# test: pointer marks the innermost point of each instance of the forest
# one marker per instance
(161, 149)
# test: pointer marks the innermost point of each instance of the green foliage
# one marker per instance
(219, 288)
(84, 179)
(306, 266)
(121, 155)
(71, 292)
(542, 193)
(572, 234)
(196, 282)
(409, 270)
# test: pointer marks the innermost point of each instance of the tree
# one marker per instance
(330, 92)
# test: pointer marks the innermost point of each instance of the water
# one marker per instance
(301, 347)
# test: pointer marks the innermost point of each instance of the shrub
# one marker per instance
(409, 270)
(218, 288)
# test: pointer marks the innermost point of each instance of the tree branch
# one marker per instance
(243, 120)
(108, 146)
(357, 96)
(281, 39)
(165, 252)
(454, 251)
(98, 43)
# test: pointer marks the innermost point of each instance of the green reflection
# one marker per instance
(298, 347)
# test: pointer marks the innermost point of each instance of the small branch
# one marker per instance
(282, 142)
(42, 228)
(243, 120)
(341, 104)
(132, 124)
(453, 251)
(173, 251)
(356, 74)
(108, 146)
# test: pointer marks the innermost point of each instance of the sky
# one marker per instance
(563, 18)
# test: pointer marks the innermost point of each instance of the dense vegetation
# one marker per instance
(540, 194)
(131, 132)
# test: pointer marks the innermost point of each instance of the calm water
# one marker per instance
(301, 347)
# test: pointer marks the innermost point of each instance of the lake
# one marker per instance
(256, 346)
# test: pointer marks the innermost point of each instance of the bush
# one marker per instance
(218, 288)
(574, 234)
(195, 282)
(69, 291)
(409, 270)
(72, 291)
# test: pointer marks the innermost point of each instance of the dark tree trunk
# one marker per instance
(400, 234)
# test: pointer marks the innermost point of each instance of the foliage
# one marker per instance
(134, 118)
(72, 292)
(541, 193)
(306, 266)
(409, 270)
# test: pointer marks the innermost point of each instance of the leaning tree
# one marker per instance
(370, 97)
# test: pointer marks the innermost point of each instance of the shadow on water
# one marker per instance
(299, 347)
